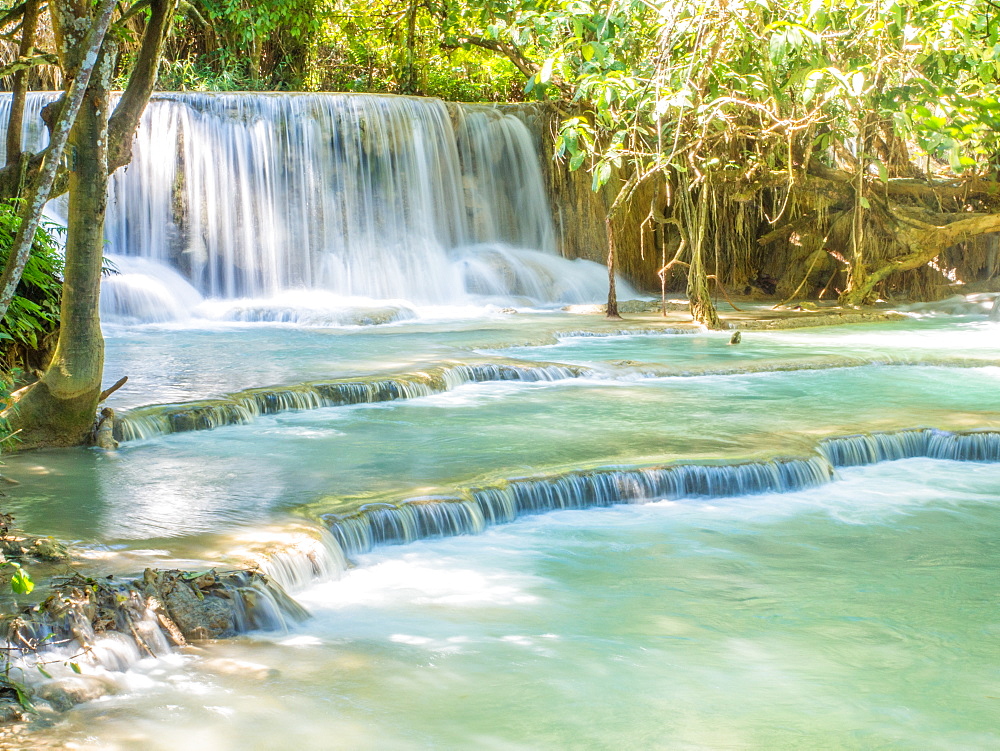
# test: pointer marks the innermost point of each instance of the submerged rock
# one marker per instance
(64, 693)
(18, 546)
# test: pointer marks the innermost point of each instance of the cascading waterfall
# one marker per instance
(863, 449)
(244, 197)
(416, 518)
(244, 406)
(477, 508)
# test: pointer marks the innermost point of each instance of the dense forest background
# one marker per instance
(835, 149)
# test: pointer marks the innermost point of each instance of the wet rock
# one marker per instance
(104, 430)
(379, 316)
(191, 605)
(65, 693)
(11, 709)
(736, 338)
(17, 546)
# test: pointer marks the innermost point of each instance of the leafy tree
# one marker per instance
(819, 111)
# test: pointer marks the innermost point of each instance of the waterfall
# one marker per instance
(412, 519)
(871, 448)
(241, 197)
(243, 407)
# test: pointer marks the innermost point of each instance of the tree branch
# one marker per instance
(41, 185)
(19, 91)
(125, 119)
(23, 64)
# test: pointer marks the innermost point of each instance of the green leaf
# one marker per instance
(43, 671)
(601, 176)
(75, 667)
(21, 582)
(577, 160)
(864, 203)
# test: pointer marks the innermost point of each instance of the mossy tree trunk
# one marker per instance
(695, 213)
(924, 235)
(59, 409)
(612, 308)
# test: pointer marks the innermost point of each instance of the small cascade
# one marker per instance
(243, 407)
(90, 631)
(663, 331)
(413, 519)
(294, 558)
(476, 508)
(606, 487)
(417, 518)
(486, 372)
(141, 291)
(871, 448)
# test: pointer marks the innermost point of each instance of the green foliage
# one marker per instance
(21, 582)
(34, 311)
(331, 45)
(701, 85)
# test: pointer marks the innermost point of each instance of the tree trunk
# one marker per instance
(612, 309)
(19, 90)
(699, 295)
(409, 83)
(42, 182)
(924, 235)
(59, 409)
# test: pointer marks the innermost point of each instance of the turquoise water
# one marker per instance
(859, 614)
(200, 482)
(927, 340)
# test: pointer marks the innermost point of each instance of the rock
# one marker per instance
(65, 693)
(198, 616)
(10, 711)
(380, 316)
(104, 432)
(508, 311)
(20, 547)
(48, 549)
(736, 338)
